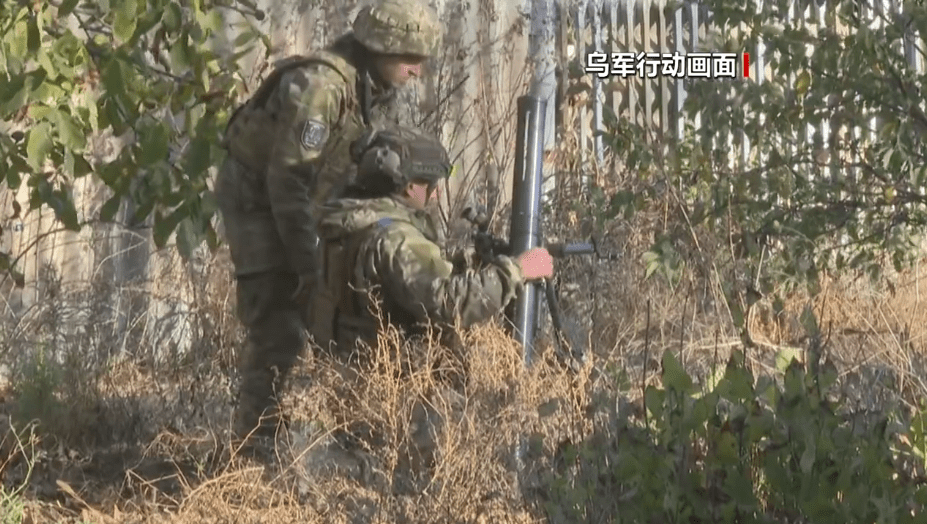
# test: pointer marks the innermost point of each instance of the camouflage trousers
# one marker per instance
(276, 336)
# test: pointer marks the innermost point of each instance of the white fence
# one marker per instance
(655, 26)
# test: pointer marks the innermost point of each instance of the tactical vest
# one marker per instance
(248, 136)
(340, 312)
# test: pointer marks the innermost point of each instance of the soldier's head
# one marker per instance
(401, 161)
(400, 35)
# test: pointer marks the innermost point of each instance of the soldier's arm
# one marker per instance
(416, 276)
(309, 108)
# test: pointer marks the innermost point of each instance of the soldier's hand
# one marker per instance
(536, 264)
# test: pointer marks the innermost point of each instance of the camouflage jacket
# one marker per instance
(288, 152)
(383, 246)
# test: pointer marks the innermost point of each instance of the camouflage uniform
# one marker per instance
(288, 149)
(377, 247)
(384, 246)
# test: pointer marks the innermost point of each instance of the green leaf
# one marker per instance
(45, 61)
(63, 206)
(212, 21)
(19, 44)
(66, 7)
(809, 321)
(740, 489)
(70, 133)
(727, 448)
(46, 91)
(154, 146)
(13, 180)
(208, 204)
(113, 78)
(198, 157)
(110, 208)
(246, 37)
(652, 261)
(165, 226)
(39, 145)
(674, 376)
(653, 401)
(785, 356)
(172, 17)
(34, 38)
(125, 20)
(180, 56)
(808, 456)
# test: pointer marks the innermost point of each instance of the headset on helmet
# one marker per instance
(399, 155)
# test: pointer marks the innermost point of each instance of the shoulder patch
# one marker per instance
(314, 134)
(384, 222)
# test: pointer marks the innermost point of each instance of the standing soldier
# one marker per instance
(288, 150)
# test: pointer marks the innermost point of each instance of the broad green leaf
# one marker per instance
(154, 145)
(92, 118)
(47, 92)
(809, 321)
(740, 489)
(65, 210)
(653, 401)
(18, 95)
(19, 42)
(81, 166)
(210, 21)
(208, 204)
(808, 456)
(39, 145)
(198, 157)
(148, 21)
(13, 178)
(180, 56)
(34, 38)
(125, 20)
(66, 7)
(113, 77)
(212, 239)
(172, 16)
(674, 376)
(41, 112)
(70, 132)
(785, 356)
(245, 37)
(46, 63)
(164, 226)
(110, 208)
(727, 448)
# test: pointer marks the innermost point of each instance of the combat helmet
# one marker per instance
(388, 159)
(399, 27)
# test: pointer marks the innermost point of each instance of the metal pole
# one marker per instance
(525, 230)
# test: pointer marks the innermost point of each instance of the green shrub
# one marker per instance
(777, 449)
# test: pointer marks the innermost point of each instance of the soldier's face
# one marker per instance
(399, 70)
(419, 196)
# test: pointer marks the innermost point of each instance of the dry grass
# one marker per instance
(127, 430)
(195, 476)
(142, 443)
